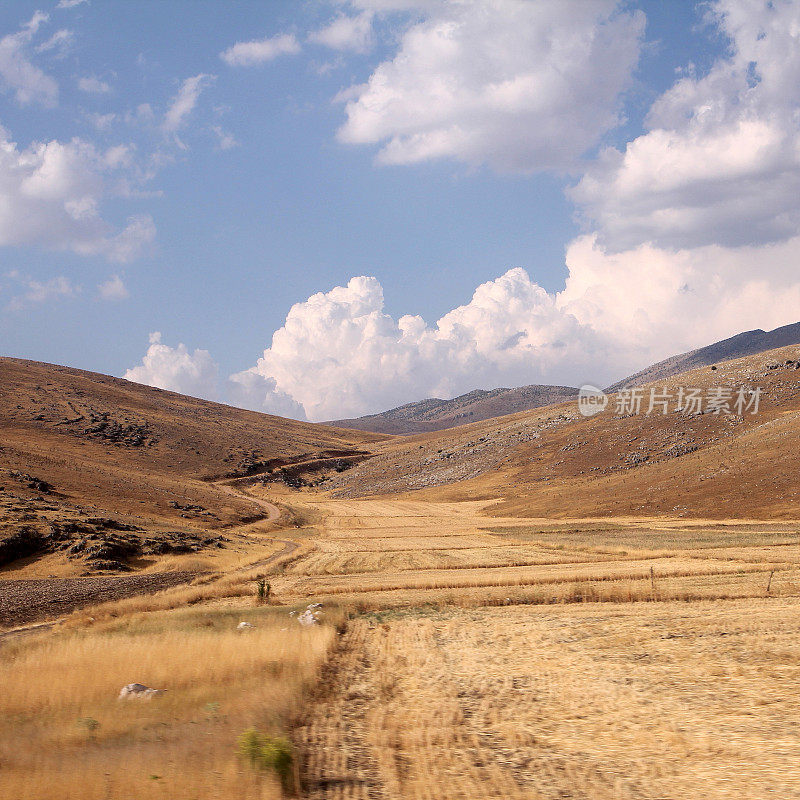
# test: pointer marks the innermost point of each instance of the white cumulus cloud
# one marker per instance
(176, 369)
(340, 354)
(258, 51)
(51, 194)
(521, 86)
(720, 161)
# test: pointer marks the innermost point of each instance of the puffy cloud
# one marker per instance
(648, 303)
(251, 390)
(257, 51)
(340, 354)
(18, 73)
(70, 3)
(50, 195)
(720, 161)
(185, 101)
(176, 369)
(518, 85)
(347, 33)
(113, 289)
(93, 85)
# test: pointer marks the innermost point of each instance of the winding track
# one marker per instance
(273, 513)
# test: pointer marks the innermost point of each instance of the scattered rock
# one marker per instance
(32, 482)
(139, 691)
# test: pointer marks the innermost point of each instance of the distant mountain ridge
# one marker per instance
(435, 414)
(744, 344)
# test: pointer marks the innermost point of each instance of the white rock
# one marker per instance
(307, 618)
(139, 690)
(243, 626)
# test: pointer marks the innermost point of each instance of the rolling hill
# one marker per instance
(435, 414)
(553, 462)
(743, 344)
(87, 458)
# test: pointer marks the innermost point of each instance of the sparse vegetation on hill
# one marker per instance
(553, 462)
(109, 472)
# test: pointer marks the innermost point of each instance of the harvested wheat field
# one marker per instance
(374, 554)
(640, 700)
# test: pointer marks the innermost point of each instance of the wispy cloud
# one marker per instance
(60, 42)
(227, 141)
(347, 33)
(38, 292)
(29, 83)
(257, 51)
(113, 289)
(185, 101)
(93, 85)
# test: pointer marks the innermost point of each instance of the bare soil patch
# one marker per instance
(24, 601)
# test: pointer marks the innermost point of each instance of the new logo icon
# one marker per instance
(591, 400)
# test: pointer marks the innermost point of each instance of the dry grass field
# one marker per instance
(482, 658)
(65, 733)
(514, 609)
(375, 554)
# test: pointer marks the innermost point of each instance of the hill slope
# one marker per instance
(90, 457)
(553, 462)
(743, 344)
(435, 414)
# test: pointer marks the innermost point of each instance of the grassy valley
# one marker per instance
(540, 605)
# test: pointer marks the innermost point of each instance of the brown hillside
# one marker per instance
(554, 462)
(78, 448)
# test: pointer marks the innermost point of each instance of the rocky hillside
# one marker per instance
(553, 462)
(743, 344)
(435, 414)
(104, 470)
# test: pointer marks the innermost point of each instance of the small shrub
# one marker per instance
(270, 754)
(90, 724)
(264, 590)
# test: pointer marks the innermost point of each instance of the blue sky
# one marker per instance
(198, 169)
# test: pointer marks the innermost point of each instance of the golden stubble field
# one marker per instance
(596, 701)
(482, 657)
(504, 658)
